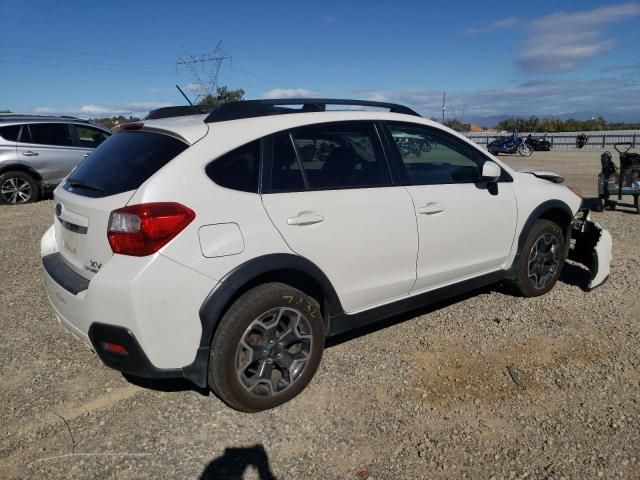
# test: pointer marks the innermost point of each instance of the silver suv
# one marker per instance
(37, 152)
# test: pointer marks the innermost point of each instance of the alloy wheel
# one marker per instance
(544, 260)
(16, 190)
(273, 351)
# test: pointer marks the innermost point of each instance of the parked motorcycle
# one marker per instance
(510, 145)
(413, 145)
(581, 140)
(538, 144)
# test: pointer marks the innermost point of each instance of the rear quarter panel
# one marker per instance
(184, 180)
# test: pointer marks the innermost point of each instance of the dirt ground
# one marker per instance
(427, 395)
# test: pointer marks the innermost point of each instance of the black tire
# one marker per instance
(533, 278)
(228, 362)
(17, 188)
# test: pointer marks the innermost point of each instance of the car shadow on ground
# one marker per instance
(403, 317)
(233, 464)
(166, 384)
(575, 275)
(597, 205)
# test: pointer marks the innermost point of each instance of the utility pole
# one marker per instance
(444, 105)
(207, 64)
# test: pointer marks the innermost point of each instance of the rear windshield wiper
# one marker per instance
(79, 183)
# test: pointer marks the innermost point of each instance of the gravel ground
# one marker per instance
(427, 395)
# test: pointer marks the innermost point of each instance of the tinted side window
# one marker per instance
(123, 163)
(341, 155)
(238, 169)
(51, 134)
(432, 157)
(90, 137)
(286, 172)
(10, 132)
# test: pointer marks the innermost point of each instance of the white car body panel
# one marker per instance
(366, 243)
(461, 238)
(187, 184)
(133, 292)
(604, 255)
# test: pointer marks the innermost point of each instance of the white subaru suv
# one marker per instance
(225, 246)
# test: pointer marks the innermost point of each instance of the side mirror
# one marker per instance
(491, 171)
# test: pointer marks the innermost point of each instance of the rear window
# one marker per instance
(123, 163)
(10, 132)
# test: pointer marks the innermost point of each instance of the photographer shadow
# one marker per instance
(233, 464)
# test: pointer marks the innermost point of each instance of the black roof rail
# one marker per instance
(179, 111)
(31, 116)
(260, 108)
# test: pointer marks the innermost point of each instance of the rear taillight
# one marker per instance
(144, 229)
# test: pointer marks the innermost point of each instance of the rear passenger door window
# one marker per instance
(286, 174)
(10, 132)
(239, 169)
(341, 155)
(57, 134)
(431, 157)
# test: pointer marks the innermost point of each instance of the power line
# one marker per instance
(83, 62)
(75, 52)
(79, 67)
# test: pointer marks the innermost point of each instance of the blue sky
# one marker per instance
(492, 58)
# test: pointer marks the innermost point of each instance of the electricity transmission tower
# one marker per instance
(204, 69)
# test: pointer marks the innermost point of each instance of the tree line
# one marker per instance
(535, 124)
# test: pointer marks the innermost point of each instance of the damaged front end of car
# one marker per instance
(592, 247)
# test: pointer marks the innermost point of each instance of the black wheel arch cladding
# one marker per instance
(556, 211)
(272, 267)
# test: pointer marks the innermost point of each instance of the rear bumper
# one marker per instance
(151, 303)
(134, 361)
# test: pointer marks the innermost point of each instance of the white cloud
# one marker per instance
(564, 42)
(94, 110)
(193, 88)
(143, 106)
(546, 97)
(378, 97)
(289, 93)
(505, 23)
